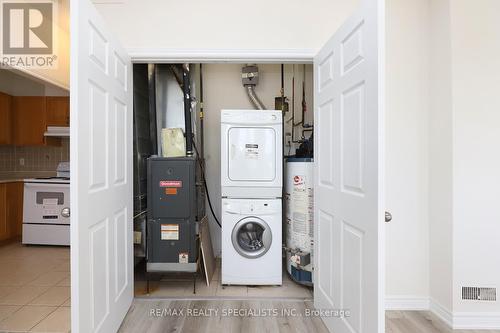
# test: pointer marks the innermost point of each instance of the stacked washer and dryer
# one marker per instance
(251, 179)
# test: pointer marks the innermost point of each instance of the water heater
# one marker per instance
(299, 233)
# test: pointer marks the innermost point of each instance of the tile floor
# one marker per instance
(176, 288)
(34, 289)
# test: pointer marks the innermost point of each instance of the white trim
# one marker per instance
(165, 55)
(476, 320)
(457, 320)
(412, 303)
(441, 312)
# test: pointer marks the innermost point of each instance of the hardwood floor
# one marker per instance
(420, 322)
(168, 288)
(152, 316)
(140, 319)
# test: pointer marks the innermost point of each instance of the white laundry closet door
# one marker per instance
(348, 213)
(101, 175)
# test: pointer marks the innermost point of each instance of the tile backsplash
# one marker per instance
(36, 159)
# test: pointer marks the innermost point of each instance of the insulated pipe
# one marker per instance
(304, 105)
(186, 89)
(257, 103)
(292, 119)
(152, 108)
(202, 116)
(283, 88)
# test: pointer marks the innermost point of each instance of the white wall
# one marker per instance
(440, 157)
(60, 75)
(407, 241)
(464, 166)
(225, 24)
(222, 89)
(475, 47)
(443, 132)
(16, 83)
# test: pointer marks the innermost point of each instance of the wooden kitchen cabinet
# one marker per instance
(5, 119)
(30, 121)
(15, 195)
(57, 109)
(11, 210)
(24, 119)
(4, 226)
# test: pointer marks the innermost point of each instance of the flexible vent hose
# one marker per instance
(257, 103)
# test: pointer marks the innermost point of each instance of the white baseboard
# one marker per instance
(457, 320)
(476, 320)
(406, 303)
(465, 320)
(441, 312)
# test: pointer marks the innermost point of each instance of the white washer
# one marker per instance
(251, 153)
(251, 241)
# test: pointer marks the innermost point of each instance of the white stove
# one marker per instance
(46, 205)
(48, 180)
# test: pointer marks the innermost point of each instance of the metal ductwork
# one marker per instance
(250, 78)
(257, 103)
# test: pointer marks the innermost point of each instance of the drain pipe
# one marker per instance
(250, 78)
(186, 89)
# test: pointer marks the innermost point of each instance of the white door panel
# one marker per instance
(349, 173)
(101, 174)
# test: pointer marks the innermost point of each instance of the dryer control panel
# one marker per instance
(255, 207)
(251, 117)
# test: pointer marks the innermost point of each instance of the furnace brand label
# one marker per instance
(252, 151)
(169, 232)
(170, 183)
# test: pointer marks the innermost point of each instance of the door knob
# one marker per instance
(65, 212)
(388, 217)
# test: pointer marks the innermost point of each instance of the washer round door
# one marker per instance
(251, 237)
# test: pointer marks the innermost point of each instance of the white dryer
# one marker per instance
(251, 153)
(251, 242)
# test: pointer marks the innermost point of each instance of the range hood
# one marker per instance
(57, 131)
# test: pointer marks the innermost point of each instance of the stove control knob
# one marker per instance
(65, 212)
